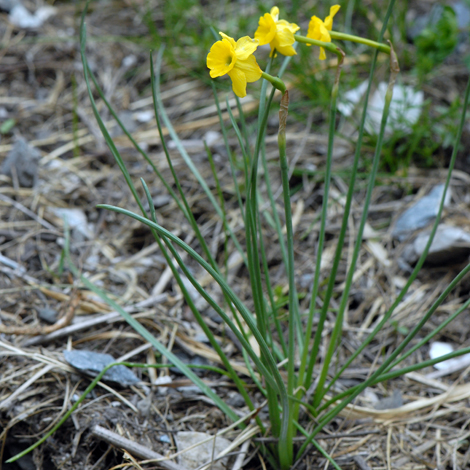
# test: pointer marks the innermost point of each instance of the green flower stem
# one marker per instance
(280, 425)
(329, 46)
(293, 308)
(229, 153)
(367, 42)
(308, 360)
(251, 224)
(275, 82)
(272, 218)
(253, 234)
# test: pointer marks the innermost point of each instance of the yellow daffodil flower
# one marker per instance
(318, 29)
(279, 34)
(235, 59)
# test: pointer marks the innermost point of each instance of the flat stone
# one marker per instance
(420, 213)
(92, 363)
(450, 244)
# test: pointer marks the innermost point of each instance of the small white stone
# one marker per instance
(21, 17)
(144, 116)
(212, 137)
(129, 61)
(439, 349)
(203, 453)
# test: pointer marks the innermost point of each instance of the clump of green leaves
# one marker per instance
(437, 40)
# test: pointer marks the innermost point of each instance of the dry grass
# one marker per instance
(42, 88)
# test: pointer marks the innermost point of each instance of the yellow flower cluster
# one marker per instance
(279, 34)
(236, 59)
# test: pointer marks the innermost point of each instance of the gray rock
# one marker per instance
(93, 363)
(7, 5)
(393, 401)
(236, 400)
(48, 314)
(420, 214)
(22, 160)
(450, 244)
(462, 11)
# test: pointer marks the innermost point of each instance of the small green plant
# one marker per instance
(7, 126)
(426, 143)
(285, 365)
(437, 40)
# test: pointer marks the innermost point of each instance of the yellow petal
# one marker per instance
(250, 68)
(286, 50)
(266, 29)
(324, 34)
(245, 47)
(322, 54)
(329, 19)
(314, 28)
(284, 37)
(238, 82)
(221, 58)
(292, 26)
(274, 13)
(334, 9)
(317, 30)
(283, 42)
(228, 38)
